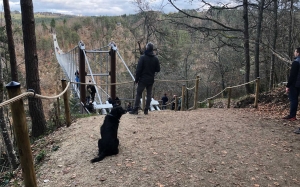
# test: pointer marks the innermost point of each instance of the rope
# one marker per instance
(242, 84)
(173, 101)
(32, 94)
(54, 97)
(190, 88)
(174, 80)
(224, 90)
(102, 84)
(213, 96)
(133, 82)
(15, 99)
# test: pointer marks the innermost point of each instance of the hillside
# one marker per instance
(203, 147)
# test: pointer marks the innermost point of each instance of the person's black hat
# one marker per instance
(149, 46)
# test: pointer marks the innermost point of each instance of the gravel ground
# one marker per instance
(204, 147)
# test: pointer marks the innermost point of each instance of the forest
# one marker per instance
(223, 45)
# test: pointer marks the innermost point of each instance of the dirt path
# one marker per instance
(206, 147)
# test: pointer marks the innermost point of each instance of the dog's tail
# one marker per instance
(98, 158)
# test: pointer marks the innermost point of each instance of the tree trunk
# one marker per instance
(291, 28)
(274, 44)
(10, 40)
(258, 34)
(7, 141)
(290, 31)
(32, 72)
(246, 45)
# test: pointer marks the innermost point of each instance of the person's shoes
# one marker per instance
(134, 111)
(297, 131)
(292, 119)
(288, 117)
(146, 111)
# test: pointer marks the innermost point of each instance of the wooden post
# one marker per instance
(182, 98)
(57, 114)
(143, 99)
(209, 103)
(196, 92)
(58, 106)
(66, 103)
(229, 96)
(112, 72)
(176, 103)
(81, 62)
(21, 133)
(256, 92)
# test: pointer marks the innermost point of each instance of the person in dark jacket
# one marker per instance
(92, 90)
(293, 86)
(147, 66)
(164, 101)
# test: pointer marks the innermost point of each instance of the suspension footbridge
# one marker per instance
(100, 71)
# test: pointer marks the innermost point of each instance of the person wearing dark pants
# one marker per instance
(139, 91)
(147, 66)
(293, 88)
(164, 101)
(92, 90)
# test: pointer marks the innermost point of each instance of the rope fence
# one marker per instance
(229, 94)
(157, 80)
(200, 102)
(32, 94)
(196, 102)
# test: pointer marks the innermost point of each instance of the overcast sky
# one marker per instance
(101, 7)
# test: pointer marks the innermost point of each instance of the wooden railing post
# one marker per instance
(66, 103)
(229, 96)
(196, 92)
(82, 73)
(209, 103)
(182, 97)
(256, 92)
(21, 133)
(58, 107)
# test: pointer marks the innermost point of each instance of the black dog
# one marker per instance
(109, 142)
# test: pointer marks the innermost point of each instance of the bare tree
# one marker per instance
(5, 133)
(258, 36)
(214, 26)
(246, 45)
(10, 40)
(275, 28)
(31, 65)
